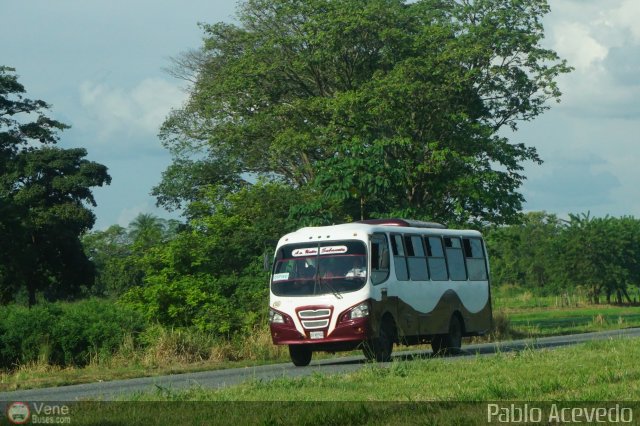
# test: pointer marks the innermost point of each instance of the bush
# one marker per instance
(25, 334)
(222, 306)
(93, 328)
(65, 334)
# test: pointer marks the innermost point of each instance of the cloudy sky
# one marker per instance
(100, 65)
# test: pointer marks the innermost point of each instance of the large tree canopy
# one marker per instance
(371, 107)
(44, 192)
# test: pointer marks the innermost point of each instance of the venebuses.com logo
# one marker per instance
(18, 413)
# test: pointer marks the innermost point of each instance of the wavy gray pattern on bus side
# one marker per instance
(412, 323)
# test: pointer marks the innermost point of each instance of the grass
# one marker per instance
(595, 371)
(422, 391)
(517, 314)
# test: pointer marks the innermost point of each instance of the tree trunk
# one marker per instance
(31, 290)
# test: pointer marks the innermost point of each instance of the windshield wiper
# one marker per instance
(318, 281)
(333, 290)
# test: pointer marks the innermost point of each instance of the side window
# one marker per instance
(436, 259)
(416, 259)
(379, 259)
(474, 256)
(399, 260)
(455, 258)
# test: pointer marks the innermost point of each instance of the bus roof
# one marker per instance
(403, 222)
(361, 229)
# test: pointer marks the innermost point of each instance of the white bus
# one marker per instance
(373, 283)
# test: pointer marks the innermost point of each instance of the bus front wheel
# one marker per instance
(380, 347)
(300, 355)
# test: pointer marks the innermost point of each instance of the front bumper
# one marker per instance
(349, 332)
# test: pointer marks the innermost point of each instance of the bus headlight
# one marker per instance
(360, 311)
(275, 317)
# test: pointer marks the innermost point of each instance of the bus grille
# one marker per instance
(316, 313)
(315, 324)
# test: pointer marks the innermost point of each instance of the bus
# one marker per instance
(375, 283)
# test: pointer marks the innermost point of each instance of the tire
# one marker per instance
(300, 355)
(436, 344)
(451, 342)
(381, 347)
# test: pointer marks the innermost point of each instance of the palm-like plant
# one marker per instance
(147, 229)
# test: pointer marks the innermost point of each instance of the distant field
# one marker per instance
(536, 316)
(544, 322)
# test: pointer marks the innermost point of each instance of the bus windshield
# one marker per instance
(308, 269)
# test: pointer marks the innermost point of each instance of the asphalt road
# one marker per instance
(121, 389)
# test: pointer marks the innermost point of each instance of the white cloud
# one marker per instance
(141, 109)
(574, 42)
(601, 40)
(625, 19)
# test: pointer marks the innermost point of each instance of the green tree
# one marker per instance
(372, 107)
(117, 253)
(44, 193)
(601, 255)
(210, 275)
(526, 254)
(628, 245)
(111, 252)
(146, 230)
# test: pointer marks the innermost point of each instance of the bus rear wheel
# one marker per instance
(451, 342)
(300, 355)
(380, 347)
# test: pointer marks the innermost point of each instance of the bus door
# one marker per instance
(382, 288)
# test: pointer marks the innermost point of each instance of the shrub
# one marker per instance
(65, 334)
(25, 334)
(93, 328)
(222, 306)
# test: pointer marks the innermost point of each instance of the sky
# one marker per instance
(101, 67)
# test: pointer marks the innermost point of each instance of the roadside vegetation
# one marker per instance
(156, 350)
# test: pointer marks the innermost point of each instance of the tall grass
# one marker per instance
(165, 347)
